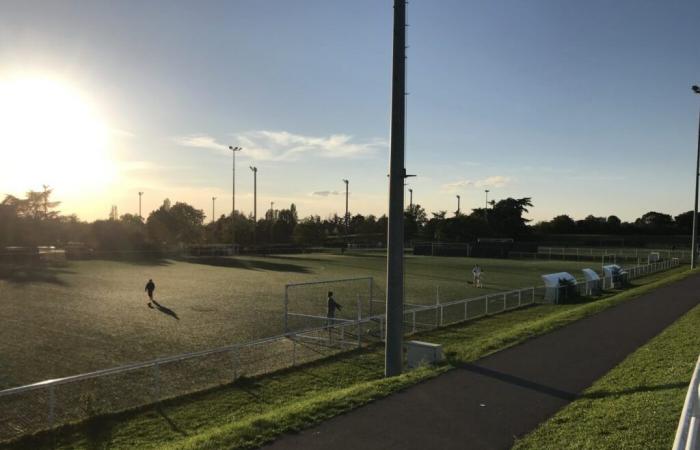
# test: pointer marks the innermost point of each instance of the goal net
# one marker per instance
(306, 304)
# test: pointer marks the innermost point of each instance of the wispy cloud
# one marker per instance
(493, 181)
(264, 145)
(325, 193)
(200, 141)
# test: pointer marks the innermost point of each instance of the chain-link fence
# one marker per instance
(43, 405)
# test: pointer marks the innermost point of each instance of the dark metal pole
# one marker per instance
(213, 209)
(347, 182)
(410, 193)
(458, 205)
(140, 216)
(693, 250)
(393, 357)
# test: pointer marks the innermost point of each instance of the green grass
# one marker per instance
(253, 411)
(635, 405)
(92, 315)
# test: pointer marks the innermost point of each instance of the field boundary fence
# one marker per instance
(622, 255)
(689, 423)
(46, 404)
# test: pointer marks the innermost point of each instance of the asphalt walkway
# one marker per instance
(485, 405)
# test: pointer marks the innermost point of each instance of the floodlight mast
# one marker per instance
(213, 209)
(347, 218)
(140, 195)
(694, 240)
(233, 192)
(393, 356)
(459, 199)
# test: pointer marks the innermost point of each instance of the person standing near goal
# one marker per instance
(332, 305)
(476, 275)
(150, 287)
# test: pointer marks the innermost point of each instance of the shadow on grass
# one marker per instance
(165, 310)
(173, 426)
(250, 264)
(635, 390)
(155, 261)
(33, 274)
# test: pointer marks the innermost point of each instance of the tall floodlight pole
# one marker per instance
(458, 205)
(486, 205)
(410, 194)
(213, 209)
(255, 201)
(393, 356)
(140, 194)
(347, 182)
(233, 193)
(693, 250)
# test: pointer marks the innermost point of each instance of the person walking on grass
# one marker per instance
(332, 305)
(150, 287)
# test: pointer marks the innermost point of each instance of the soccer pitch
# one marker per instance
(89, 315)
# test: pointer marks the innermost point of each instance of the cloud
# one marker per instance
(325, 193)
(495, 181)
(200, 141)
(264, 145)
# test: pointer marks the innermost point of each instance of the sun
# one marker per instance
(50, 134)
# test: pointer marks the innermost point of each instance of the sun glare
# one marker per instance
(50, 134)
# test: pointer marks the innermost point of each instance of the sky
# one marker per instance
(585, 107)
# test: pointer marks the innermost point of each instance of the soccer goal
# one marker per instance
(306, 304)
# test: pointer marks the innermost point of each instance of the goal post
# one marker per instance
(305, 304)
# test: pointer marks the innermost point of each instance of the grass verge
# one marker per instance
(635, 405)
(250, 412)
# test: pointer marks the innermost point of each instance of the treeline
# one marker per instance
(651, 223)
(34, 220)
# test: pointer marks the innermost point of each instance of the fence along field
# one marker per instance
(46, 404)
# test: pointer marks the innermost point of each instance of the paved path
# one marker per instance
(486, 404)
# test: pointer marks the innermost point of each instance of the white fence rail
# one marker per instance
(30, 408)
(628, 254)
(689, 424)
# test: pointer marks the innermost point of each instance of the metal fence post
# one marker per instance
(52, 405)
(156, 382)
(234, 362)
(487, 304)
(359, 321)
(437, 303)
(286, 308)
(504, 302)
(442, 311)
(520, 298)
(294, 351)
(414, 321)
(465, 310)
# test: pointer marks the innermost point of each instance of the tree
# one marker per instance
(415, 219)
(506, 216)
(655, 222)
(562, 224)
(684, 222)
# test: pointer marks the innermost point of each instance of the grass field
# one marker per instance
(636, 405)
(89, 315)
(252, 411)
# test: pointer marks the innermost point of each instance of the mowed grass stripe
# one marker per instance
(636, 405)
(253, 411)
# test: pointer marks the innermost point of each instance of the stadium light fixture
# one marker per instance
(694, 242)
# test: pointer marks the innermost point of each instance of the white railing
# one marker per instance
(689, 423)
(620, 252)
(45, 404)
